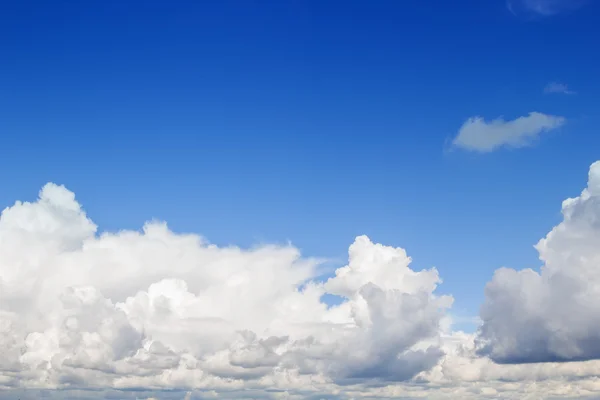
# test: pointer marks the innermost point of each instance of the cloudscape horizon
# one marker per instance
(166, 311)
(299, 199)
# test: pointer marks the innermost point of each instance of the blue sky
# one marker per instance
(307, 121)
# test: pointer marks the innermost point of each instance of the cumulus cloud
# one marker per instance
(560, 88)
(157, 309)
(479, 135)
(156, 314)
(551, 315)
(544, 8)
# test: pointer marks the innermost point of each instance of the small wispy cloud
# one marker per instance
(556, 87)
(479, 135)
(543, 8)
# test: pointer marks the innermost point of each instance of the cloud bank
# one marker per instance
(479, 135)
(160, 309)
(163, 315)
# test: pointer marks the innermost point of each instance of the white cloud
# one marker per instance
(544, 8)
(180, 318)
(555, 87)
(159, 309)
(476, 134)
(551, 315)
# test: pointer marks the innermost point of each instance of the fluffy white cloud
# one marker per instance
(544, 8)
(476, 134)
(160, 315)
(156, 309)
(553, 314)
(555, 87)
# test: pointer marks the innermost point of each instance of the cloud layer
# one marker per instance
(479, 135)
(161, 315)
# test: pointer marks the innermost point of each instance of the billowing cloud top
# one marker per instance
(552, 315)
(160, 315)
(160, 309)
(478, 135)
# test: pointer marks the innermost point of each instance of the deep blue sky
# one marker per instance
(313, 121)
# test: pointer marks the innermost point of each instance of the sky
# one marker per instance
(282, 183)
